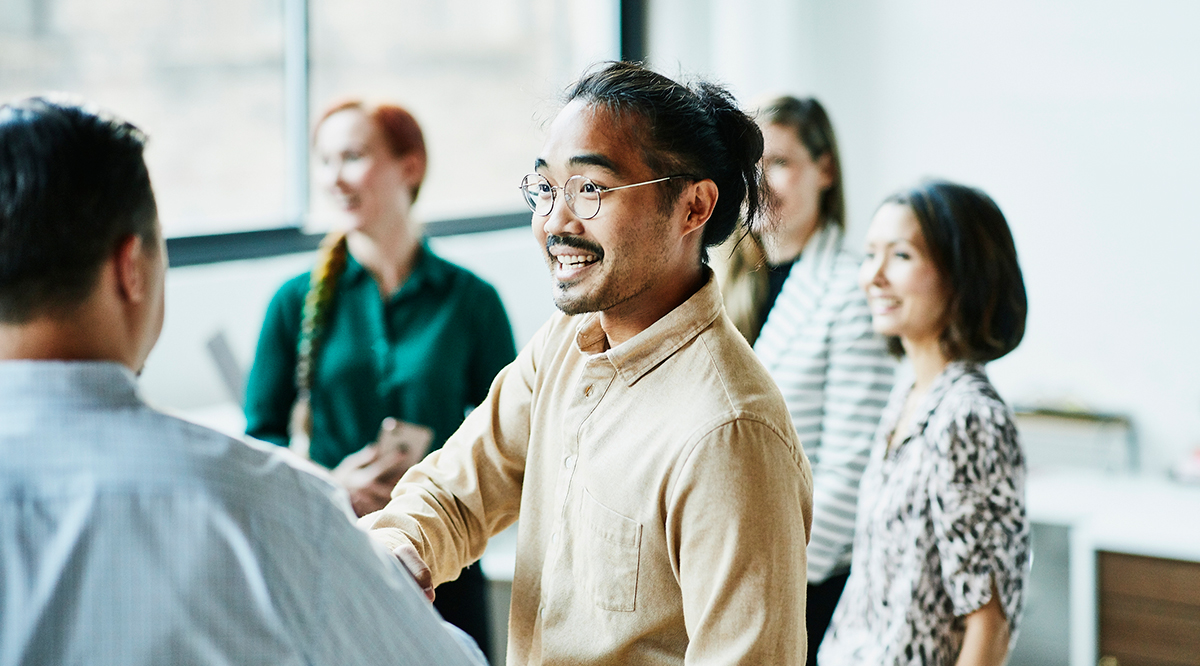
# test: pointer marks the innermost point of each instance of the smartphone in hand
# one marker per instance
(409, 441)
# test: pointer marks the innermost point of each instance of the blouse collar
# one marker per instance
(942, 384)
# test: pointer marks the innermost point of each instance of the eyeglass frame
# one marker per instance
(600, 190)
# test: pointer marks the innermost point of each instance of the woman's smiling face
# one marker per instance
(907, 294)
(358, 170)
(797, 182)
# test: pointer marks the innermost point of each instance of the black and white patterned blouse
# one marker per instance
(939, 516)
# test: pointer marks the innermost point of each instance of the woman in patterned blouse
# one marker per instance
(941, 546)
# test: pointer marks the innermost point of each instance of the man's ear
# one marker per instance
(130, 266)
(701, 200)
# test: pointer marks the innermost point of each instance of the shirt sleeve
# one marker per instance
(371, 611)
(737, 523)
(453, 501)
(977, 506)
(493, 346)
(271, 386)
(858, 379)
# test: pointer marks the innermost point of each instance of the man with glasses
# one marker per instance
(664, 498)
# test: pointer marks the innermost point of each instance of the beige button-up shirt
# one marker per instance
(664, 497)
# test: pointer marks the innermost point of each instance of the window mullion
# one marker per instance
(296, 105)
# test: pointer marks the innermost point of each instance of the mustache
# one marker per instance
(575, 242)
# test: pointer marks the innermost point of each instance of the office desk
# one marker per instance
(1097, 512)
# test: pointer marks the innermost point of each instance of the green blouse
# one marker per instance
(425, 355)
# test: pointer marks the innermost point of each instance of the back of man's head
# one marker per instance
(696, 130)
(73, 184)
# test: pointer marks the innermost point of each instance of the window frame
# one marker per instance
(290, 238)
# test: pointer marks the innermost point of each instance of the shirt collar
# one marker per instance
(941, 386)
(429, 271)
(645, 351)
(106, 383)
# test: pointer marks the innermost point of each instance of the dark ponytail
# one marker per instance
(742, 175)
(695, 130)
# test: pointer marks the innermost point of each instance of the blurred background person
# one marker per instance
(941, 550)
(793, 281)
(376, 354)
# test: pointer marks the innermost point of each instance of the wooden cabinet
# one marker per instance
(1149, 610)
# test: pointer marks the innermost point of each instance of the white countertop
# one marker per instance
(224, 417)
(1141, 515)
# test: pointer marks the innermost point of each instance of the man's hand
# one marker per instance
(370, 475)
(416, 566)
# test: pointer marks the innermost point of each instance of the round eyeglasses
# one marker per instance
(582, 195)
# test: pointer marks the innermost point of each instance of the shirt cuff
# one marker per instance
(390, 537)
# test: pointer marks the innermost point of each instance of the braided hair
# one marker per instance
(331, 264)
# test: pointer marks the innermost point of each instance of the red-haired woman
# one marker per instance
(382, 334)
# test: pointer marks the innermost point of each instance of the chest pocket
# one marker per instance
(613, 546)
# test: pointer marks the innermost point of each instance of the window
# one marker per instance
(204, 78)
(214, 83)
(479, 75)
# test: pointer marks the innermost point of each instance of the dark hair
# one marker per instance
(73, 185)
(399, 128)
(807, 118)
(696, 130)
(972, 247)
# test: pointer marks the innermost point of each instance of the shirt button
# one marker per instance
(587, 390)
(554, 538)
(569, 462)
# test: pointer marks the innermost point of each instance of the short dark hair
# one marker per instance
(696, 130)
(807, 118)
(73, 184)
(970, 243)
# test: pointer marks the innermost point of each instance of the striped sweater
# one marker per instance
(835, 375)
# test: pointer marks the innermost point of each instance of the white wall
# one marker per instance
(233, 296)
(202, 300)
(1081, 118)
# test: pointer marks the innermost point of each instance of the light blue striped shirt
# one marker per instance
(131, 537)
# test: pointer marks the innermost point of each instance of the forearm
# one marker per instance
(270, 395)
(449, 504)
(985, 642)
(271, 384)
(438, 507)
